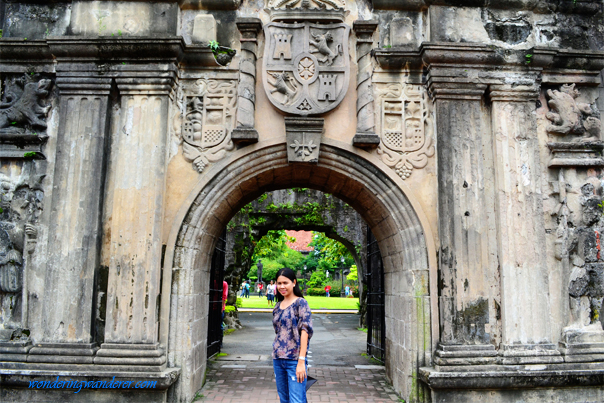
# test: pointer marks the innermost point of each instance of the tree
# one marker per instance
(317, 280)
(330, 252)
(354, 274)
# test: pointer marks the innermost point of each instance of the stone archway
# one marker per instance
(384, 202)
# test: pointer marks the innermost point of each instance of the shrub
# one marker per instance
(239, 303)
(317, 292)
(229, 308)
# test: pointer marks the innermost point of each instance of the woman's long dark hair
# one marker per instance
(290, 274)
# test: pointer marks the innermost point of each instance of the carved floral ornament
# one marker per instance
(208, 109)
(406, 128)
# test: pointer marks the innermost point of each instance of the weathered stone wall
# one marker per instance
(466, 134)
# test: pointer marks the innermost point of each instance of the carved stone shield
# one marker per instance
(403, 123)
(306, 66)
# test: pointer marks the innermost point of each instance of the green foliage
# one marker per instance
(215, 46)
(229, 308)
(317, 292)
(239, 302)
(529, 58)
(317, 280)
(330, 252)
(29, 154)
(354, 273)
(362, 329)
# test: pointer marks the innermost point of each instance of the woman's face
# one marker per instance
(285, 286)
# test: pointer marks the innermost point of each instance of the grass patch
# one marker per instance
(222, 354)
(314, 302)
(228, 331)
(362, 329)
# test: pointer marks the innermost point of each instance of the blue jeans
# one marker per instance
(288, 387)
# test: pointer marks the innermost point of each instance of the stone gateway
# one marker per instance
(467, 135)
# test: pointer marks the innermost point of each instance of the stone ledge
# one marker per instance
(21, 378)
(366, 140)
(496, 379)
(568, 7)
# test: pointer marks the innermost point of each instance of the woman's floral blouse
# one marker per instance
(288, 324)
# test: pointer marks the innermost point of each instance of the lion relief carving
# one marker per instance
(27, 109)
(570, 117)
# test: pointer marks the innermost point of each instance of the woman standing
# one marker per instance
(293, 326)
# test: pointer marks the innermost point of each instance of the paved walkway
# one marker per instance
(245, 374)
(334, 384)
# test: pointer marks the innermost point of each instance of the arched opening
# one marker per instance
(384, 202)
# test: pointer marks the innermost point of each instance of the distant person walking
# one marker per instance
(270, 293)
(347, 290)
(293, 327)
(260, 289)
(247, 289)
(327, 289)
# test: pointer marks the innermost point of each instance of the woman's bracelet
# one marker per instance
(302, 358)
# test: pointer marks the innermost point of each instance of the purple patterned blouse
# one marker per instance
(288, 324)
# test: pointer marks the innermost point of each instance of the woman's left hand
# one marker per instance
(301, 371)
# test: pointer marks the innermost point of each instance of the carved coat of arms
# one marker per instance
(406, 128)
(306, 66)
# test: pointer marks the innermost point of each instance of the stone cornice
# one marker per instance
(509, 93)
(21, 50)
(83, 85)
(588, 7)
(209, 4)
(366, 27)
(75, 48)
(249, 27)
(456, 91)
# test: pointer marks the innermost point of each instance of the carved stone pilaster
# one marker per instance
(521, 250)
(74, 230)
(365, 135)
(467, 257)
(136, 220)
(246, 92)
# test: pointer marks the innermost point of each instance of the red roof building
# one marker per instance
(303, 238)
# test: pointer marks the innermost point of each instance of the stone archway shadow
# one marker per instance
(358, 178)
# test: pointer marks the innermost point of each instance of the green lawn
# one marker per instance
(315, 302)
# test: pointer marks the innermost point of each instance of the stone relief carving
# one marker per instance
(208, 116)
(22, 109)
(307, 4)
(306, 66)
(570, 117)
(406, 128)
(577, 245)
(21, 205)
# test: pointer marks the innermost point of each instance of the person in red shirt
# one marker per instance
(327, 289)
(225, 295)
